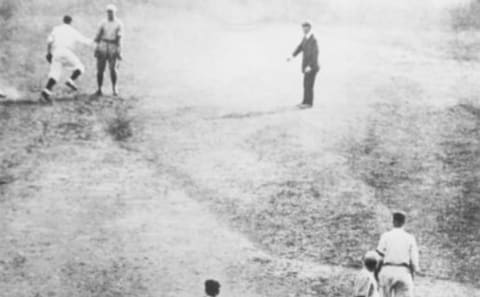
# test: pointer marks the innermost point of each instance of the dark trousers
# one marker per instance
(308, 85)
(112, 66)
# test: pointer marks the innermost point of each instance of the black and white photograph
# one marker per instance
(240, 148)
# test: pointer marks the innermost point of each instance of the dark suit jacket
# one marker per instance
(309, 47)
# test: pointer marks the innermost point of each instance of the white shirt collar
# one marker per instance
(308, 35)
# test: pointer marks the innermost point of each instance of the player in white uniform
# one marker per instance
(61, 46)
(400, 260)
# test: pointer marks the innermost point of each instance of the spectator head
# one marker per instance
(370, 261)
(212, 288)
(399, 218)
(67, 19)
(306, 27)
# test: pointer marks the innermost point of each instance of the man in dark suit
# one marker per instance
(310, 67)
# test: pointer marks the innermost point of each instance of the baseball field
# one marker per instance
(203, 167)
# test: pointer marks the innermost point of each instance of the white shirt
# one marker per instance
(399, 247)
(65, 37)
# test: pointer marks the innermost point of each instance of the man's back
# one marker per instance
(400, 259)
(398, 247)
(65, 37)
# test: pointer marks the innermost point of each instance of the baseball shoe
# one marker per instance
(45, 97)
(304, 106)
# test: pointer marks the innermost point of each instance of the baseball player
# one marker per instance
(310, 67)
(400, 260)
(60, 55)
(109, 48)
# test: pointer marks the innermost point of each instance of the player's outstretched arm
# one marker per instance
(85, 40)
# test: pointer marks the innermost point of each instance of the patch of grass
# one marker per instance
(6, 179)
(465, 47)
(426, 163)
(120, 126)
(7, 9)
(114, 278)
(466, 16)
(272, 278)
(306, 220)
(26, 129)
(460, 219)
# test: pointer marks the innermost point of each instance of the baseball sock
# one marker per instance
(50, 84)
(75, 74)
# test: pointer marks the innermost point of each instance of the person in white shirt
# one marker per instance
(109, 48)
(400, 260)
(60, 54)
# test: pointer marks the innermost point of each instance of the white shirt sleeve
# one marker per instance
(414, 254)
(51, 37)
(382, 246)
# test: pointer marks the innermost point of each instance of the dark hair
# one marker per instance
(212, 287)
(370, 264)
(398, 219)
(67, 19)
